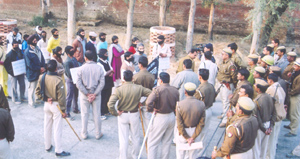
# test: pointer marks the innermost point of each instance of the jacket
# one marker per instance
(90, 46)
(77, 45)
(11, 57)
(33, 64)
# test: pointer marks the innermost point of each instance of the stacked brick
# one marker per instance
(6, 26)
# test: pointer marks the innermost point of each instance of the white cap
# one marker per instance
(93, 34)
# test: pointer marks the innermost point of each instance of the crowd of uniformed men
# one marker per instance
(256, 95)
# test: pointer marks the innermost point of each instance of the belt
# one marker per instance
(130, 111)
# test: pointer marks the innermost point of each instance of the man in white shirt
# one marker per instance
(14, 35)
(212, 67)
(164, 52)
(42, 44)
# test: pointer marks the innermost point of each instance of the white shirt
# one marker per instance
(213, 70)
(164, 62)
(43, 46)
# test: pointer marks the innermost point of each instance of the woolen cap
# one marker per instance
(253, 56)
(261, 82)
(227, 50)
(246, 103)
(260, 69)
(291, 54)
(190, 86)
(93, 34)
(268, 59)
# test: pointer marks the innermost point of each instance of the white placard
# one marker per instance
(19, 67)
(74, 74)
(164, 63)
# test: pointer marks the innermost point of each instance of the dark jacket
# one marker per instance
(33, 64)
(3, 100)
(90, 46)
(7, 129)
(68, 64)
(11, 57)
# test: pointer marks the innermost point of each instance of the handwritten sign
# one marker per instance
(19, 67)
(164, 63)
(74, 74)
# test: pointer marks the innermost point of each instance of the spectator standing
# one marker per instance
(133, 46)
(207, 63)
(127, 64)
(38, 34)
(92, 45)
(140, 52)
(54, 41)
(79, 45)
(102, 44)
(3, 73)
(115, 52)
(24, 43)
(14, 35)
(42, 44)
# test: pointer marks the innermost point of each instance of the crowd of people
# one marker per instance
(256, 96)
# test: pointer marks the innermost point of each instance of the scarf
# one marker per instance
(43, 91)
(110, 50)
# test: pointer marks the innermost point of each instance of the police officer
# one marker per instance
(129, 96)
(252, 61)
(266, 62)
(50, 88)
(238, 62)
(266, 116)
(190, 116)
(163, 101)
(259, 73)
(287, 72)
(227, 77)
(240, 134)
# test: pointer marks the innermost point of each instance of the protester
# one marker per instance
(127, 64)
(7, 134)
(129, 95)
(114, 56)
(35, 65)
(133, 46)
(207, 63)
(240, 135)
(92, 45)
(10, 37)
(79, 45)
(102, 44)
(38, 34)
(57, 53)
(42, 44)
(54, 40)
(50, 89)
(164, 53)
(15, 54)
(139, 53)
(183, 77)
(24, 43)
(190, 117)
(109, 83)
(90, 83)
(191, 55)
(72, 91)
(162, 101)
(3, 73)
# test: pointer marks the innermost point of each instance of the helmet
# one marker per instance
(268, 59)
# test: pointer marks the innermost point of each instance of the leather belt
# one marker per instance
(130, 111)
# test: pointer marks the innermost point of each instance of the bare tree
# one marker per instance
(71, 21)
(256, 24)
(45, 4)
(129, 23)
(190, 31)
(162, 12)
(211, 21)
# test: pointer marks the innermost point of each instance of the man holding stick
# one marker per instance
(50, 88)
(129, 96)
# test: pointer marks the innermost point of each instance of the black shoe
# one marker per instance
(62, 154)
(287, 127)
(76, 111)
(49, 149)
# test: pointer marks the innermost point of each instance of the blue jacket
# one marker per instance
(90, 46)
(33, 64)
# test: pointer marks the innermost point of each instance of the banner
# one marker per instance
(19, 67)
(74, 74)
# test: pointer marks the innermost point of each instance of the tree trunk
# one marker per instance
(45, 11)
(211, 21)
(190, 31)
(71, 21)
(162, 12)
(129, 23)
(270, 22)
(256, 24)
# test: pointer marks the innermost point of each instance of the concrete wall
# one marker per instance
(229, 18)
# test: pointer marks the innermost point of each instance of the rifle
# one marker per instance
(218, 91)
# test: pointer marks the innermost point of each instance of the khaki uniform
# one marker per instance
(129, 96)
(294, 106)
(278, 93)
(288, 69)
(164, 99)
(239, 138)
(227, 73)
(190, 114)
(266, 116)
(238, 62)
(180, 64)
(235, 97)
(251, 78)
(144, 78)
(54, 88)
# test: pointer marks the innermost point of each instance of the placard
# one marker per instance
(74, 74)
(19, 67)
(164, 63)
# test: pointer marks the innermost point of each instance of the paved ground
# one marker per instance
(29, 143)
